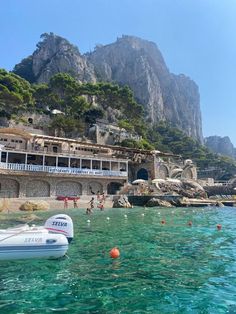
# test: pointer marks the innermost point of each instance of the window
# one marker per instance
(31, 157)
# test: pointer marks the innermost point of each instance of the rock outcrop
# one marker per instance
(153, 202)
(165, 96)
(34, 205)
(220, 145)
(121, 202)
(55, 54)
(130, 60)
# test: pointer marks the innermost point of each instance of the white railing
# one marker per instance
(66, 170)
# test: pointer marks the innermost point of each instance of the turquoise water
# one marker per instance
(171, 268)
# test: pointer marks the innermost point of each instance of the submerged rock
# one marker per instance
(28, 218)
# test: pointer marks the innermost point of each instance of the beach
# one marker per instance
(13, 204)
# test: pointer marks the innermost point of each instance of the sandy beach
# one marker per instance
(13, 204)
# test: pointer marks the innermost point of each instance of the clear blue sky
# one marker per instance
(196, 37)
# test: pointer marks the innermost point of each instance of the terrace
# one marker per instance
(54, 163)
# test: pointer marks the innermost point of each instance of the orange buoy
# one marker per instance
(163, 222)
(114, 253)
(219, 226)
(190, 223)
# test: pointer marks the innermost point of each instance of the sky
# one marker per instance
(196, 38)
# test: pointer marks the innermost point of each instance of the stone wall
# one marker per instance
(9, 187)
(68, 188)
(109, 134)
(53, 186)
(37, 188)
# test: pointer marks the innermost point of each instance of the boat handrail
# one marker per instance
(14, 234)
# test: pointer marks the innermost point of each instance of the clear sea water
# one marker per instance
(171, 268)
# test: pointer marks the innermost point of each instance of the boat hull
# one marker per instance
(31, 252)
(28, 244)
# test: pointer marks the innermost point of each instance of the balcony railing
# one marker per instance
(66, 170)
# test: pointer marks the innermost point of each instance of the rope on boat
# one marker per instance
(15, 234)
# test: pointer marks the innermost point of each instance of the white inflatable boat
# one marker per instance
(48, 241)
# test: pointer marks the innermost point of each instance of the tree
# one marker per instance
(66, 124)
(93, 114)
(63, 85)
(15, 94)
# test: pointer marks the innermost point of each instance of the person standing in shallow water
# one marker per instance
(89, 210)
(91, 202)
(75, 203)
(66, 202)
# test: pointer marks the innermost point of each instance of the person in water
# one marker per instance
(98, 195)
(75, 203)
(65, 202)
(89, 210)
(101, 205)
(91, 202)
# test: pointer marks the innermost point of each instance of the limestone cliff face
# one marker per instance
(220, 145)
(165, 96)
(55, 54)
(130, 60)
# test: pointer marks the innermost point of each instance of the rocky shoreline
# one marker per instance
(169, 201)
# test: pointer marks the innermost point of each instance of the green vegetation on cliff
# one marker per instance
(15, 94)
(79, 105)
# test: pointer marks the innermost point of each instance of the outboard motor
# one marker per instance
(61, 223)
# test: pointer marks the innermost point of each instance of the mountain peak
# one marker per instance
(54, 54)
(130, 61)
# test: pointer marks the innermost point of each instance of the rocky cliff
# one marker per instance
(130, 60)
(55, 54)
(221, 145)
(165, 96)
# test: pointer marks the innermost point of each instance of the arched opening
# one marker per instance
(176, 173)
(142, 174)
(163, 172)
(68, 188)
(94, 188)
(113, 187)
(37, 188)
(9, 188)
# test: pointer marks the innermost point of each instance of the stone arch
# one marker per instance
(163, 172)
(142, 174)
(37, 188)
(113, 187)
(9, 188)
(176, 173)
(188, 173)
(94, 187)
(68, 188)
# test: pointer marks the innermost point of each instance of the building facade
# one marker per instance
(34, 165)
